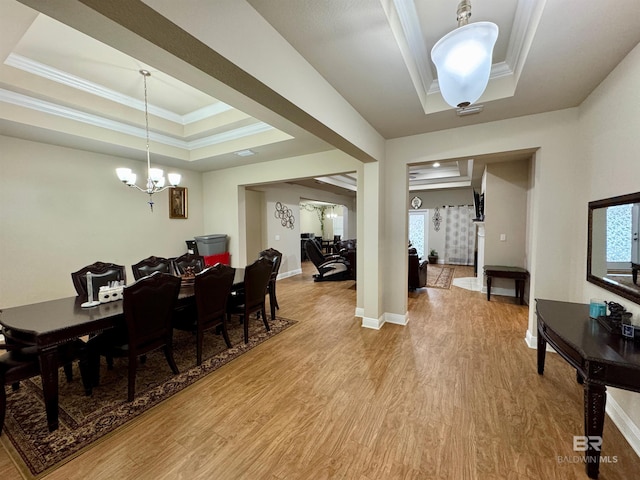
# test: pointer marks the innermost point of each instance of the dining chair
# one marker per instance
(276, 259)
(149, 265)
(251, 299)
(148, 306)
(188, 260)
(20, 362)
(212, 287)
(102, 273)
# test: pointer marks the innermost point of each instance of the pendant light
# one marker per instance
(463, 58)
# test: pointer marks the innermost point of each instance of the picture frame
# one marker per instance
(178, 202)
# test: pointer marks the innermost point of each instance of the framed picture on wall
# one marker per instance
(178, 202)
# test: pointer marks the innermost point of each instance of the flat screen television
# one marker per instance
(478, 203)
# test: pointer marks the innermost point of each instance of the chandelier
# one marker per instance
(155, 176)
(463, 58)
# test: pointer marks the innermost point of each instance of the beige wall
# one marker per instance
(227, 187)
(552, 230)
(256, 223)
(507, 185)
(309, 222)
(439, 198)
(285, 240)
(609, 121)
(62, 209)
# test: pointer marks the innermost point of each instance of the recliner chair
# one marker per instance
(330, 267)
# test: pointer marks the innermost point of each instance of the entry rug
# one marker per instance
(439, 276)
(84, 420)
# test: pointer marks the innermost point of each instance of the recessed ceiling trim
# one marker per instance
(241, 132)
(113, 125)
(437, 186)
(409, 38)
(338, 183)
(411, 42)
(40, 69)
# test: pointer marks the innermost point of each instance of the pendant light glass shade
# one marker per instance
(463, 59)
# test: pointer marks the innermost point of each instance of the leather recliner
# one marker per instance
(417, 270)
(330, 267)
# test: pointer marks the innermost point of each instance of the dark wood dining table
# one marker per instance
(54, 322)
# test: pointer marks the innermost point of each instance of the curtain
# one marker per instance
(460, 235)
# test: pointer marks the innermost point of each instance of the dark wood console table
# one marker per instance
(599, 357)
(520, 275)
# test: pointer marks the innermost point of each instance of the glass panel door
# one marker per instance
(419, 231)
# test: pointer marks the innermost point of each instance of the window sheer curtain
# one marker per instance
(460, 235)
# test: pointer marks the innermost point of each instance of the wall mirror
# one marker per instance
(613, 249)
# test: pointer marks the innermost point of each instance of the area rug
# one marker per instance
(439, 276)
(84, 420)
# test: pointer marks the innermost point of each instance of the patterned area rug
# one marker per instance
(83, 420)
(439, 276)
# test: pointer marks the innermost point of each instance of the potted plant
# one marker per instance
(433, 256)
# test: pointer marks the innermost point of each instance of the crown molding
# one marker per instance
(45, 71)
(410, 39)
(68, 113)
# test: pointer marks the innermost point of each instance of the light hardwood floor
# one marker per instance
(452, 395)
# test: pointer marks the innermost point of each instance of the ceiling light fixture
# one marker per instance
(436, 164)
(463, 58)
(463, 111)
(245, 153)
(155, 176)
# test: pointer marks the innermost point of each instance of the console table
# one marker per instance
(599, 357)
(520, 275)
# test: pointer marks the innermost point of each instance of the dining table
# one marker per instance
(51, 323)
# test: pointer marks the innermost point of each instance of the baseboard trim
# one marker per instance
(396, 318)
(359, 312)
(373, 323)
(532, 342)
(290, 273)
(619, 417)
(629, 430)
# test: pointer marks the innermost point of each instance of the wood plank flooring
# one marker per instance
(452, 395)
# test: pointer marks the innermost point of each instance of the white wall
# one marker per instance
(609, 121)
(62, 209)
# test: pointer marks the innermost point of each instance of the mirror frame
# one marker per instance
(604, 203)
